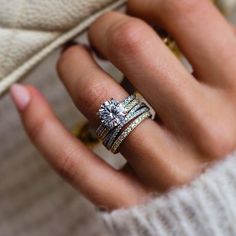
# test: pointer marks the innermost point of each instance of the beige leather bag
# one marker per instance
(30, 30)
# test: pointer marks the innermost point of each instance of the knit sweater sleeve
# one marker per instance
(205, 207)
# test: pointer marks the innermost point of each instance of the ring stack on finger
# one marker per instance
(119, 119)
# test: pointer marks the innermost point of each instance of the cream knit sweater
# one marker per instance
(206, 207)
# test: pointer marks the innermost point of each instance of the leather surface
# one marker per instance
(29, 27)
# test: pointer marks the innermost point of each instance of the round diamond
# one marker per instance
(112, 114)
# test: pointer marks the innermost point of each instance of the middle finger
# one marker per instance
(150, 66)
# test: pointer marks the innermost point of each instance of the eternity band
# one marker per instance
(128, 130)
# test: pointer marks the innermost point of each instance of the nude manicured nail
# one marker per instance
(20, 95)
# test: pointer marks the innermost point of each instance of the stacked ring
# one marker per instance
(137, 111)
(107, 108)
(119, 119)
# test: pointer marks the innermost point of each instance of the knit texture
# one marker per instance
(206, 207)
(30, 30)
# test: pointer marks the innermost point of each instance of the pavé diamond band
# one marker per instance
(119, 119)
(128, 130)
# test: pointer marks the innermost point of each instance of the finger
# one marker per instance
(205, 37)
(133, 46)
(179, 100)
(71, 158)
(147, 147)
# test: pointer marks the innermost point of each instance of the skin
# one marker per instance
(197, 112)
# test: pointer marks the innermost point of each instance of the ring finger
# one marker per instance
(90, 86)
(178, 98)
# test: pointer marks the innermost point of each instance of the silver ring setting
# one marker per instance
(117, 118)
(112, 113)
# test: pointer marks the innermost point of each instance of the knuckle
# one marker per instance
(215, 140)
(126, 36)
(178, 177)
(178, 180)
(67, 168)
(96, 93)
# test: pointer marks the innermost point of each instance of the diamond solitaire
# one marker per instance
(119, 119)
(112, 114)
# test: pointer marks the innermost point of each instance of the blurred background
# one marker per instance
(33, 199)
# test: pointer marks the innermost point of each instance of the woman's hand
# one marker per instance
(197, 111)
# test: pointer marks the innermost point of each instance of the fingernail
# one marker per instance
(68, 45)
(20, 96)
